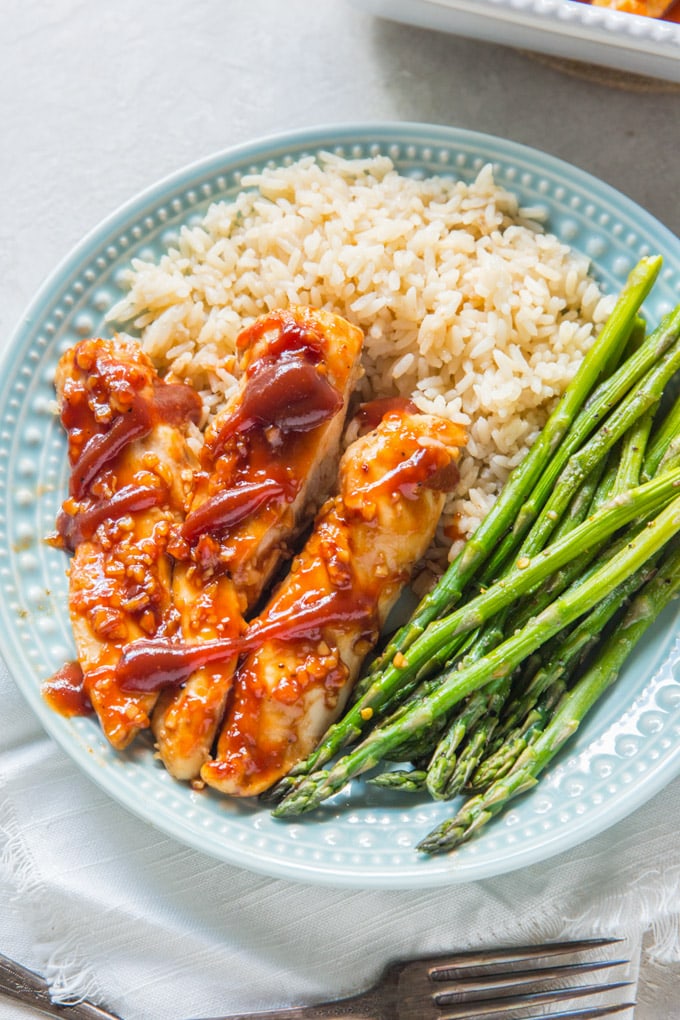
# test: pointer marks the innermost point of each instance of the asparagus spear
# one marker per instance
(448, 773)
(446, 783)
(602, 482)
(429, 654)
(476, 722)
(501, 516)
(572, 709)
(404, 780)
(645, 397)
(432, 650)
(671, 458)
(600, 403)
(663, 438)
(607, 482)
(633, 447)
(578, 600)
(582, 503)
(559, 667)
(621, 469)
(504, 758)
(663, 433)
(470, 646)
(476, 725)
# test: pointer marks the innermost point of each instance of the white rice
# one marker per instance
(467, 304)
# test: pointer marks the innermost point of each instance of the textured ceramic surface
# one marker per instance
(629, 747)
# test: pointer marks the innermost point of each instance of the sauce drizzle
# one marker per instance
(81, 526)
(172, 403)
(230, 507)
(285, 391)
(150, 665)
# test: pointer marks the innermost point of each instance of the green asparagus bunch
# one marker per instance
(569, 714)
(533, 620)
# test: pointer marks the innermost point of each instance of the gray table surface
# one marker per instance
(100, 99)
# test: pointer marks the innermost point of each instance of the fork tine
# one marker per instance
(511, 954)
(487, 1007)
(589, 1013)
(515, 978)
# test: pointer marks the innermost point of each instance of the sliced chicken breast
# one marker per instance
(269, 460)
(131, 478)
(270, 456)
(311, 640)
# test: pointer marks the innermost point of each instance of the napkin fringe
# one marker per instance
(665, 947)
(61, 957)
(650, 902)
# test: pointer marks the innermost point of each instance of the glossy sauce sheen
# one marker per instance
(81, 526)
(286, 389)
(422, 469)
(228, 508)
(172, 404)
(93, 446)
(64, 691)
(372, 413)
(154, 664)
(262, 471)
(286, 393)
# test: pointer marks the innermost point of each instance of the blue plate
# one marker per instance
(628, 748)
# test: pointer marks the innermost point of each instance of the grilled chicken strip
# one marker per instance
(313, 636)
(131, 474)
(269, 460)
(270, 456)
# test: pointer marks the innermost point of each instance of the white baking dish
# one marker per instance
(562, 28)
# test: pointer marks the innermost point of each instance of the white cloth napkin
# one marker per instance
(114, 910)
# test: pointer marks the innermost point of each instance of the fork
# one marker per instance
(494, 983)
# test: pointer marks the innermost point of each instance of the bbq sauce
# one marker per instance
(111, 397)
(371, 413)
(286, 390)
(228, 508)
(286, 394)
(64, 691)
(110, 400)
(427, 467)
(151, 665)
(171, 404)
(72, 529)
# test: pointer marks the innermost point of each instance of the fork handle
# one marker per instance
(356, 1007)
(301, 1013)
(327, 1012)
(25, 986)
(29, 988)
